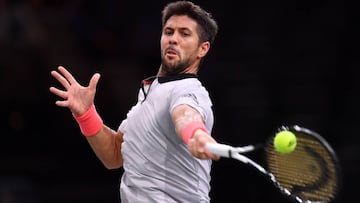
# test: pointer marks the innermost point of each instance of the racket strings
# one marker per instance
(308, 172)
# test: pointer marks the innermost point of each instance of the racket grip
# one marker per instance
(219, 149)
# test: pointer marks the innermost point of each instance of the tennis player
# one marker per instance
(161, 143)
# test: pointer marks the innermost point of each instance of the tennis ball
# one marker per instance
(285, 142)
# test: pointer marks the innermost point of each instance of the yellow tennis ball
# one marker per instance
(285, 142)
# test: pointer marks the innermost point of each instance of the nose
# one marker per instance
(173, 39)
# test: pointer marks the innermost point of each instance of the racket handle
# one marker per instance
(219, 149)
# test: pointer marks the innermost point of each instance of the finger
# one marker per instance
(67, 75)
(195, 149)
(60, 93)
(64, 103)
(94, 81)
(203, 156)
(216, 157)
(201, 142)
(212, 156)
(191, 145)
(61, 79)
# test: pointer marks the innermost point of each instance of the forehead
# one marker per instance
(181, 21)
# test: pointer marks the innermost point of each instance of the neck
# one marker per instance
(189, 70)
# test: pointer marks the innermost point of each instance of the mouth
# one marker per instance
(171, 52)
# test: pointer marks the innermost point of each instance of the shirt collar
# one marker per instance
(170, 78)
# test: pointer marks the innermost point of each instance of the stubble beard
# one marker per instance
(175, 68)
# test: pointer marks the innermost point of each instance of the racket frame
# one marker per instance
(228, 151)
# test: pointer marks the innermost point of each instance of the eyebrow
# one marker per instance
(178, 28)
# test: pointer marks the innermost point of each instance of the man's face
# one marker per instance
(179, 45)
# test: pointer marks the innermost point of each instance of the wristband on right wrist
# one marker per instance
(90, 122)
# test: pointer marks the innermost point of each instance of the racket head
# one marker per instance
(311, 173)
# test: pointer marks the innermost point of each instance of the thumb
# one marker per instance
(94, 81)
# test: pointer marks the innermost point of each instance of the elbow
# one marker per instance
(111, 167)
(112, 159)
(113, 164)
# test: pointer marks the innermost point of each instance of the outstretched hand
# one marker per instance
(197, 145)
(76, 97)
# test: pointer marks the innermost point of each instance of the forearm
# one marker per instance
(190, 127)
(105, 142)
(107, 146)
(182, 116)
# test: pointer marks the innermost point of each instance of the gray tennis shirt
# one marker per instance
(158, 166)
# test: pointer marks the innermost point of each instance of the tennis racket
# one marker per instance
(309, 174)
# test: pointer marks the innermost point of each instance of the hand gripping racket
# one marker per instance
(309, 174)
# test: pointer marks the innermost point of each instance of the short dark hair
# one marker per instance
(207, 28)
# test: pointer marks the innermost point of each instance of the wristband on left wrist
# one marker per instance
(189, 130)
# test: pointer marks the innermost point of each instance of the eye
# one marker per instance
(168, 32)
(186, 34)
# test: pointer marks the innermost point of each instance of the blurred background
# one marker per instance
(273, 63)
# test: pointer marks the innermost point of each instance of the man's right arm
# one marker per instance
(105, 142)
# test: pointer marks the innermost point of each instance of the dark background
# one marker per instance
(273, 63)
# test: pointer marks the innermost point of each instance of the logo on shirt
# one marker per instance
(192, 96)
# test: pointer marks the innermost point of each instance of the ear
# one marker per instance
(203, 49)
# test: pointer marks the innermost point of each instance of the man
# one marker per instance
(161, 143)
